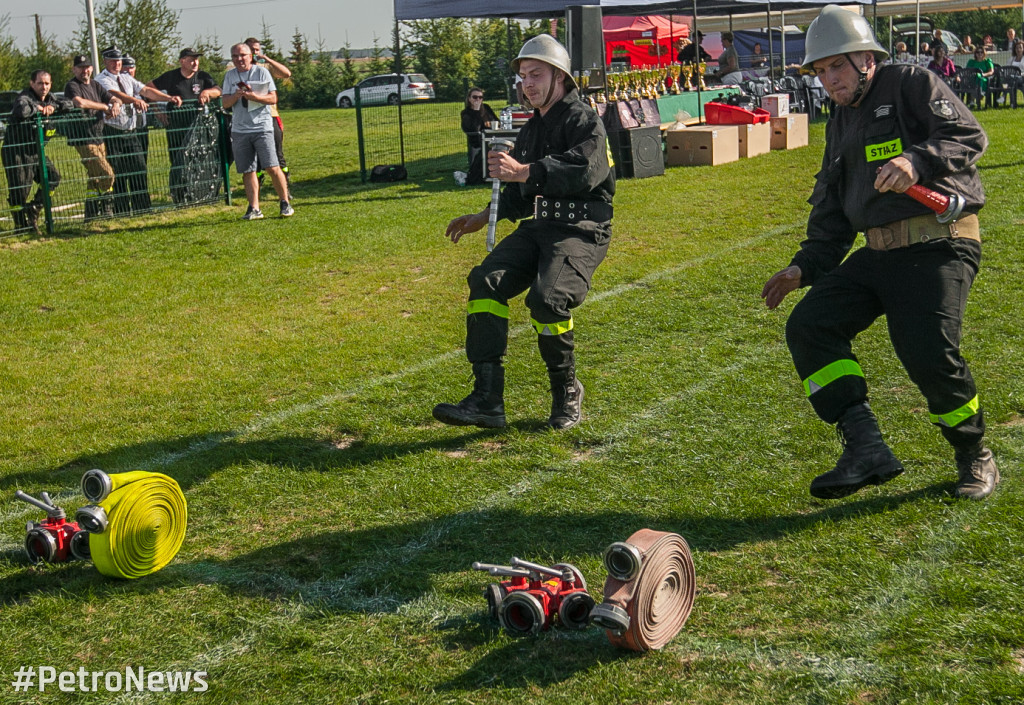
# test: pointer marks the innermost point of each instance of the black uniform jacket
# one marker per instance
(21, 130)
(568, 156)
(906, 111)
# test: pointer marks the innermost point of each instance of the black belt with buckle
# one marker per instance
(566, 210)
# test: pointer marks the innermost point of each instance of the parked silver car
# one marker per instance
(384, 89)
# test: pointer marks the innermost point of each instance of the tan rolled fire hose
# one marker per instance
(649, 594)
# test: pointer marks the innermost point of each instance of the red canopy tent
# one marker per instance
(645, 40)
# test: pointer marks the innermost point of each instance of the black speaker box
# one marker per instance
(637, 152)
(585, 39)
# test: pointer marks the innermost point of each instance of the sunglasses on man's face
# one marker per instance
(476, 97)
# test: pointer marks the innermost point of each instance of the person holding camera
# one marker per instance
(249, 90)
(280, 72)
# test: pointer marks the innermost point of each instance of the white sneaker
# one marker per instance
(252, 214)
(286, 209)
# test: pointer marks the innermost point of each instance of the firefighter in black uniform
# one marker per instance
(893, 127)
(558, 180)
(20, 152)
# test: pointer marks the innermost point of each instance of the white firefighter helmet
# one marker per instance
(837, 31)
(546, 48)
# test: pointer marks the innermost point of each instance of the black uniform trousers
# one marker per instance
(22, 168)
(126, 153)
(556, 262)
(922, 291)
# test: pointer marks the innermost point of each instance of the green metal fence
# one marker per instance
(407, 134)
(56, 175)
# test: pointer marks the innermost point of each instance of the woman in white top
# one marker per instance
(1018, 55)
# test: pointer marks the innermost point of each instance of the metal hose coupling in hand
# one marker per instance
(505, 146)
(649, 590)
(136, 524)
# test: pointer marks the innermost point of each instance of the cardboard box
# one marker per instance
(789, 132)
(710, 144)
(776, 103)
(754, 139)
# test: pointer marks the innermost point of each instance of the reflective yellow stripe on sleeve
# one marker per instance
(551, 328)
(487, 306)
(830, 373)
(958, 416)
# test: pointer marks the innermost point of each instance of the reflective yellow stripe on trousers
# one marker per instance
(487, 306)
(830, 373)
(957, 416)
(551, 328)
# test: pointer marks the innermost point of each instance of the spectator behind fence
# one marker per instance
(87, 136)
(937, 40)
(1018, 55)
(280, 72)
(729, 62)
(187, 83)
(968, 45)
(20, 151)
(1011, 37)
(925, 57)
(987, 44)
(942, 64)
(901, 55)
(476, 116)
(142, 119)
(250, 91)
(126, 150)
(758, 60)
(984, 65)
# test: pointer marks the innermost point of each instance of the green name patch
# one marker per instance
(884, 150)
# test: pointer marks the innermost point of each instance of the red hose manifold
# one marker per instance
(649, 591)
(54, 539)
(529, 602)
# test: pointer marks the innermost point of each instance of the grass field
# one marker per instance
(283, 371)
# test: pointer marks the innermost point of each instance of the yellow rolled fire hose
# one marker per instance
(137, 524)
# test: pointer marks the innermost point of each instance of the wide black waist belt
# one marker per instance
(567, 210)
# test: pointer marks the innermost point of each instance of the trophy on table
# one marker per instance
(674, 70)
(702, 67)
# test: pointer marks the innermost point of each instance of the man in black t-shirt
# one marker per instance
(87, 136)
(193, 89)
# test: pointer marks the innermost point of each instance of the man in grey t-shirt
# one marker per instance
(250, 91)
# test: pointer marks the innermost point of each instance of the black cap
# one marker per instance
(81, 60)
(113, 53)
(127, 61)
(188, 51)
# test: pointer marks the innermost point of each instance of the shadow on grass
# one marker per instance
(394, 568)
(193, 459)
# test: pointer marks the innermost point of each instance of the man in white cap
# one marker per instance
(894, 126)
(559, 183)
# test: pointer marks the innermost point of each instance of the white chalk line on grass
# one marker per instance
(275, 418)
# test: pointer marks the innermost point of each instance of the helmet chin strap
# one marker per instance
(557, 76)
(862, 81)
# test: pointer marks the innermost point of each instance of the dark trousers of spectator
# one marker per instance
(126, 154)
(22, 168)
(176, 135)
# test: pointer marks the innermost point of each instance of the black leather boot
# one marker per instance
(866, 459)
(978, 472)
(566, 399)
(485, 406)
